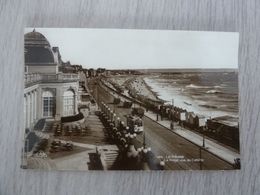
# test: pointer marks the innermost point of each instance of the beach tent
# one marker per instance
(182, 116)
(191, 118)
(200, 121)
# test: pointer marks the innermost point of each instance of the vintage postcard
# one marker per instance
(121, 99)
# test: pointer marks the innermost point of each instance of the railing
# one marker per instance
(69, 76)
(30, 78)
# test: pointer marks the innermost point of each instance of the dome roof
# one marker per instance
(35, 38)
(37, 49)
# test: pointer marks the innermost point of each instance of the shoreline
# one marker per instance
(139, 87)
(151, 90)
(186, 102)
(147, 91)
(193, 126)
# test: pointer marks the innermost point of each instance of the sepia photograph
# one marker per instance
(130, 99)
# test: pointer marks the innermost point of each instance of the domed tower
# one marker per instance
(38, 54)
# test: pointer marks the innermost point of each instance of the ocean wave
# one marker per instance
(196, 86)
(218, 87)
(223, 106)
(209, 106)
(223, 85)
(213, 91)
(210, 94)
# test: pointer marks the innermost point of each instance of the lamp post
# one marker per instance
(203, 138)
(103, 106)
(118, 122)
(113, 106)
(122, 126)
(131, 151)
(127, 129)
(144, 155)
(111, 115)
(108, 113)
(157, 117)
(144, 144)
(162, 164)
(96, 94)
(98, 99)
(172, 122)
(114, 119)
(200, 157)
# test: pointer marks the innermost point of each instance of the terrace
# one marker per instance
(33, 78)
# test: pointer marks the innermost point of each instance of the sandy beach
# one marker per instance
(145, 86)
(136, 84)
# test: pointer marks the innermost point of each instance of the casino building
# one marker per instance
(48, 93)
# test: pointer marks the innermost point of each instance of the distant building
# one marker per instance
(100, 71)
(48, 93)
(82, 77)
(91, 72)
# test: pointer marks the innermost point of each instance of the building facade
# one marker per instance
(48, 93)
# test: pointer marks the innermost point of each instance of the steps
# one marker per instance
(108, 155)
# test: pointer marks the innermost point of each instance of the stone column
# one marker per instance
(31, 108)
(75, 103)
(40, 104)
(59, 103)
(28, 110)
(35, 106)
(32, 113)
(24, 111)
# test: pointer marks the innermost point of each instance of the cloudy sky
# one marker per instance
(121, 48)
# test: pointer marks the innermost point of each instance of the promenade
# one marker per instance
(221, 151)
(165, 142)
(224, 152)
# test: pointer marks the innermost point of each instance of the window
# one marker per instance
(48, 104)
(68, 103)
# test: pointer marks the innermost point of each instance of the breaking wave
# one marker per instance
(218, 87)
(213, 91)
(196, 86)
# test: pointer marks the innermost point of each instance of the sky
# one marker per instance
(144, 49)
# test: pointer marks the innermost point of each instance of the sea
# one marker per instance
(212, 94)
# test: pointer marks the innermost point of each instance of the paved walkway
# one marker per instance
(195, 138)
(73, 162)
(78, 161)
(40, 163)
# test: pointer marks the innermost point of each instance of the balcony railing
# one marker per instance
(31, 78)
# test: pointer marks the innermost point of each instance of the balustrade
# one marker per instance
(30, 78)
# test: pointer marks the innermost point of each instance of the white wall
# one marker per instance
(34, 104)
(43, 69)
